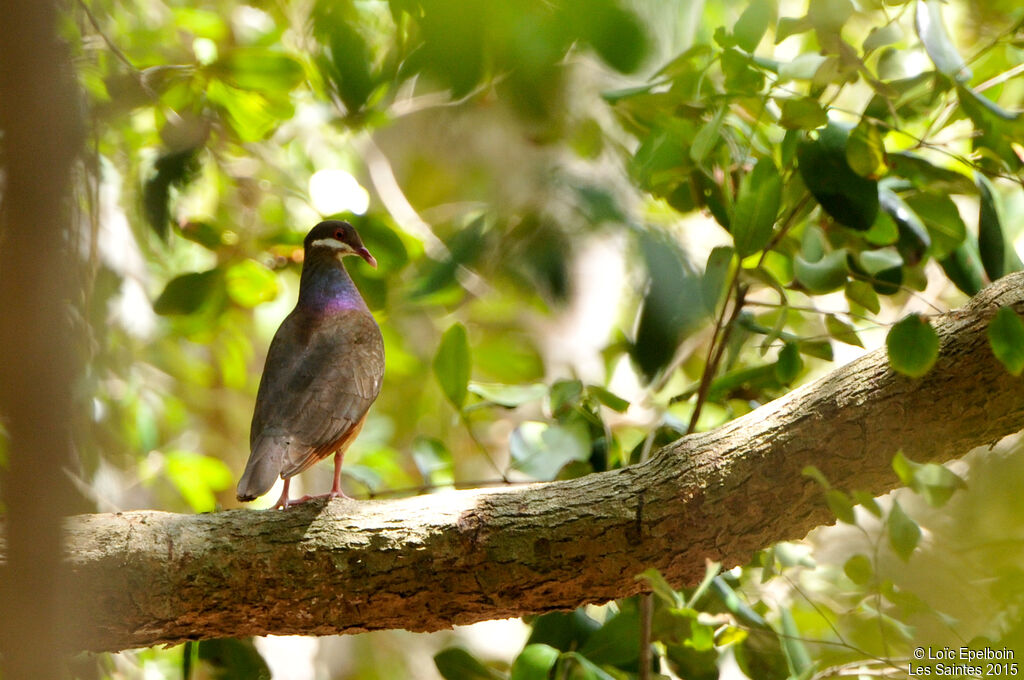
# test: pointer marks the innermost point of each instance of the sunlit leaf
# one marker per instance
(861, 293)
(1006, 338)
(904, 533)
(842, 331)
(865, 151)
(797, 657)
(803, 113)
(859, 569)
(880, 36)
(753, 23)
(942, 219)
(824, 275)
(249, 283)
(508, 395)
(913, 346)
(840, 505)
(756, 208)
(937, 43)
(452, 364)
(534, 663)
(612, 401)
(541, 450)
(936, 483)
(260, 69)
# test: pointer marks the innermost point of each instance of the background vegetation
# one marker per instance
(600, 226)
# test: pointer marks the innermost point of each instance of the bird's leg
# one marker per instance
(336, 491)
(282, 502)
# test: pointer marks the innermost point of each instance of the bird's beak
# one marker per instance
(365, 254)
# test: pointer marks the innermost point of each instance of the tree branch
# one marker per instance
(429, 562)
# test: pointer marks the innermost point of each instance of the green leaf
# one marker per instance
(840, 505)
(963, 267)
(842, 331)
(904, 533)
(756, 208)
(187, 293)
(942, 219)
(508, 395)
(534, 663)
(249, 283)
(880, 36)
(433, 460)
(991, 243)
(823, 276)
(617, 642)
(1006, 337)
(346, 57)
(935, 482)
(582, 668)
(861, 293)
(660, 587)
(850, 199)
(913, 346)
(564, 395)
(858, 569)
(867, 501)
(612, 401)
(788, 26)
(803, 113)
(541, 450)
(753, 23)
(798, 660)
(197, 478)
(802, 67)
(455, 663)
(452, 365)
(937, 43)
(714, 280)
(233, 659)
(615, 33)
(708, 136)
(817, 475)
(259, 69)
(865, 151)
(252, 115)
(789, 363)
(829, 15)
(910, 226)
(672, 305)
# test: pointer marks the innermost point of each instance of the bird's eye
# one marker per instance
(338, 235)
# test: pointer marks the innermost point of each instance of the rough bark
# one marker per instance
(429, 562)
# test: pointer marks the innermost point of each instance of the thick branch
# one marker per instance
(429, 562)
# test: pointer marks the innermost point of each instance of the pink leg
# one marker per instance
(282, 502)
(336, 491)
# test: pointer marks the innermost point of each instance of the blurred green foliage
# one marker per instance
(599, 225)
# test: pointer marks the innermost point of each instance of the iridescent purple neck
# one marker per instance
(326, 288)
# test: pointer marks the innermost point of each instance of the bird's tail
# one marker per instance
(263, 468)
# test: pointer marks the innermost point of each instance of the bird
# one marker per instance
(323, 370)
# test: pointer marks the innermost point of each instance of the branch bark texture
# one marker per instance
(429, 562)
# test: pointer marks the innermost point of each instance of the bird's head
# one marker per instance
(337, 239)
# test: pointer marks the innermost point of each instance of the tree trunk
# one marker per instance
(457, 557)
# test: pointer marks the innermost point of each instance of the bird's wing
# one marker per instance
(320, 378)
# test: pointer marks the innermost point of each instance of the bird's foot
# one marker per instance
(285, 503)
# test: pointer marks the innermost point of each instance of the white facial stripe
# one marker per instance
(333, 243)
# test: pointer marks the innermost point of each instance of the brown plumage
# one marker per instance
(323, 370)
